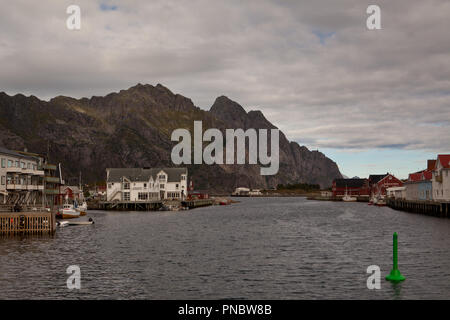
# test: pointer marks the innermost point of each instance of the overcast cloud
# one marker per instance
(312, 67)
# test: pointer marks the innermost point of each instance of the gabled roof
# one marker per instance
(444, 159)
(418, 176)
(389, 175)
(141, 174)
(75, 189)
(350, 183)
(375, 178)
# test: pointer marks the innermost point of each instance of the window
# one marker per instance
(17, 164)
(183, 177)
(177, 186)
(3, 163)
(22, 165)
(142, 196)
(109, 185)
(3, 180)
(145, 185)
(29, 165)
(10, 163)
(126, 196)
(161, 186)
(126, 185)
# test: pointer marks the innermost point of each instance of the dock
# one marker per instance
(34, 221)
(197, 203)
(430, 208)
(130, 205)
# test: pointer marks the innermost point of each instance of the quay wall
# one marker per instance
(430, 208)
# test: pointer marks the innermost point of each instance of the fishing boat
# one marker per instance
(348, 198)
(82, 208)
(68, 211)
(381, 202)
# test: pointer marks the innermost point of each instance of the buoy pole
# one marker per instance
(395, 275)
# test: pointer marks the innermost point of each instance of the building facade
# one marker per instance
(71, 192)
(396, 192)
(419, 185)
(380, 187)
(441, 178)
(146, 184)
(353, 187)
(21, 178)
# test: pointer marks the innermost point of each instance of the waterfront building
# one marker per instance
(21, 178)
(379, 188)
(396, 192)
(351, 187)
(71, 192)
(441, 178)
(419, 185)
(146, 184)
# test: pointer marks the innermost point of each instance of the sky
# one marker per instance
(374, 101)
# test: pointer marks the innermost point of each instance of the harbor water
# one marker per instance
(260, 248)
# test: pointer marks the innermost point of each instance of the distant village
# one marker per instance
(430, 184)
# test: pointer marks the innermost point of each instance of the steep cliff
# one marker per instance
(132, 128)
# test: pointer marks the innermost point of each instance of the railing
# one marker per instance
(27, 222)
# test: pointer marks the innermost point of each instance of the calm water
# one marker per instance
(261, 248)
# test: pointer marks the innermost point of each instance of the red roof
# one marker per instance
(420, 176)
(444, 160)
(427, 175)
(415, 176)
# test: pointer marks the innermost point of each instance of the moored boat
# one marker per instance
(68, 212)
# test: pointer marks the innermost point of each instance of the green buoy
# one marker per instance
(395, 275)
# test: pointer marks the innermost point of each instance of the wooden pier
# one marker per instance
(27, 222)
(197, 203)
(430, 208)
(130, 205)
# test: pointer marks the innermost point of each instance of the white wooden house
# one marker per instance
(146, 184)
(441, 178)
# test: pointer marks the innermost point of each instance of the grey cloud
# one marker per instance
(358, 89)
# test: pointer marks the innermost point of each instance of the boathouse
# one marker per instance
(379, 185)
(353, 187)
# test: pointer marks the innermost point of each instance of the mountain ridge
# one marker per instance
(132, 128)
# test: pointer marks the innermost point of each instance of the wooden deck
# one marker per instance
(130, 206)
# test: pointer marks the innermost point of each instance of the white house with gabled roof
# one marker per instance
(145, 184)
(441, 178)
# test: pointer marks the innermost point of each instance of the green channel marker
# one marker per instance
(395, 275)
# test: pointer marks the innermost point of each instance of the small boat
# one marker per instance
(348, 198)
(81, 223)
(68, 212)
(62, 223)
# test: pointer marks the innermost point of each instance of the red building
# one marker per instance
(72, 192)
(353, 187)
(380, 184)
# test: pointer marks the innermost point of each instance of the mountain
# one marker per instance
(132, 128)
